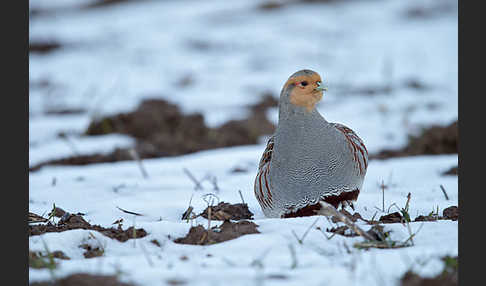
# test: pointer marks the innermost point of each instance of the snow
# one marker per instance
(165, 195)
(114, 57)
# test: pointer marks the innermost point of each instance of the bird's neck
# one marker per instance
(299, 129)
(298, 119)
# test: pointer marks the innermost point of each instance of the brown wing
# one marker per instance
(262, 185)
(267, 154)
(356, 146)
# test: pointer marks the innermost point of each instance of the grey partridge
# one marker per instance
(308, 159)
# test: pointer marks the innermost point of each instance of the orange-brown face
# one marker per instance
(307, 91)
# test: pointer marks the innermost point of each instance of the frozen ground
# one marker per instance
(98, 190)
(113, 57)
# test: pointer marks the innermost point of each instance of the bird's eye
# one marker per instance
(304, 83)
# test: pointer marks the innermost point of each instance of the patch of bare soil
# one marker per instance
(273, 4)
(426, 218)
(115, 156)
(227, 211)
(64, 111)
(105, 3)
(452, 171)
(433, 141)
(39, 260)
(91, 251)
(161, 129)
(451, 213)
(43, 47)
(198, 235)
(59, 254)
(437, 9)
(412, 279)
(238, 169)
(448, 276)
(84, 279)
(392, 218)
(72, 221)
(40, 83)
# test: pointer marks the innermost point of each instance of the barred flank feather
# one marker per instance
(262, 184)
(357, 147)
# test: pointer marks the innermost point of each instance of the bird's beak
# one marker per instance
(321, 87)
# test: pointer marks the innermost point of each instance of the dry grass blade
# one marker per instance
(329, 210)
(293, 254)
(444, 191)
(129, 212)
(196, 182)
(241, 196)
(134, 154)
(301, 240)
(187, 214)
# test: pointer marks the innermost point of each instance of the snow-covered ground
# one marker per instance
(113, 57)
(98, 190)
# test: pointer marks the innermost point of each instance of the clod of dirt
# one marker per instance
(273, 5)
(43, 47)
(77, 222)
(238, 170)
(227, 211)
(184, 258)
(185, 81)
(433, 141)
(391, 218)
(268, 100)
(159, 123)
(270, 5)
(437, 9)
(33, 218)
(156, 242)
(451, 212)
(65, 111)
(175, 282)
(451, 171)
(57, 212)
(91, 251)
(276, 277)
(448, 276)
(84, 279)
(412, 279)
(247, 131)
(426, 218)
(198, 235)
(38, 260)
(414, 83)
(40, 83)
(115, 156)
(59, 254)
